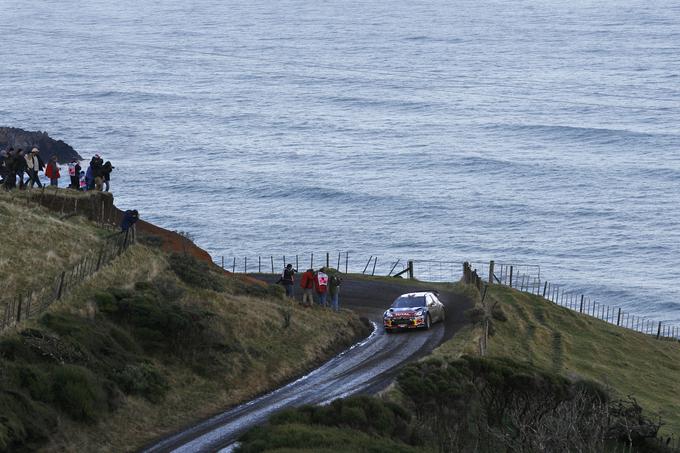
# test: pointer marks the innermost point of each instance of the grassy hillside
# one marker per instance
(37, 245)
(147, 345)
(555, 338)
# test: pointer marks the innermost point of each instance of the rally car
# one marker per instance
(413, 311)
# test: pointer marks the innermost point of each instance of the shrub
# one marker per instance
(144, 380)
(476, 315)
(498, 314)
(194, 272)
(77, 392)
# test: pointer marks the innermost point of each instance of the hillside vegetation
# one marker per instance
(555, 338)
(37, 245)
(150, 343)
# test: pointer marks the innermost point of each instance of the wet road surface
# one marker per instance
(367, 367)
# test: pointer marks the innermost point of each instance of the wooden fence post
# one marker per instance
(61, 285)
(223, 262)
(492, 264)
(346, 261)
(374, 263)
(19, 309)
(545, 287)
(328, 260)
(245, 264)
(272, 257)
(367, 263)
(311, 262)
(581, 309)
(259, 264)
(511, 276)
(410, 269)
(658, 331)
(233, 269)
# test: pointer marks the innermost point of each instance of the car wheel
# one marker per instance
(443, 316)
(428, 322)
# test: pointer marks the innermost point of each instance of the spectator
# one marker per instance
(82, 181)
(74, 174)
(89, 179)
(32, 168)
(129, 219)
(10, 169)
(3, 169)
(287, 279)
(97, 166)
(334, 291)
(52, 171)
(307, 285)
(20, 167)
(321, 286)
(106, 172)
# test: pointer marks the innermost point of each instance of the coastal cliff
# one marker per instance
(19, 138)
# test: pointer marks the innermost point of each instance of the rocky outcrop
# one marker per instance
(19, 138)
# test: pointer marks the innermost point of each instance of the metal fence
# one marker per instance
(27, 304)
(349, 263)
(527, 278)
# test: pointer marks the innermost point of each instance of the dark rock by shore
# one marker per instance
(19, 138)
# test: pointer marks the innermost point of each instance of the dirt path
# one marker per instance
(365, 368)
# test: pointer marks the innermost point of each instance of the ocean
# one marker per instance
(534, 132)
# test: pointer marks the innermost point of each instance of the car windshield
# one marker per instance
(406, 302)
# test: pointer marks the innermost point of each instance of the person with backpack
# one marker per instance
(334, 291)
(130, 217)
(52, 171)
(321, 286)
(287, 279)
(307, 285)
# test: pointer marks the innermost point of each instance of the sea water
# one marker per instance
(543, 132)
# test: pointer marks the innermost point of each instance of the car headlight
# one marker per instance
(388, 314)
(419, 313)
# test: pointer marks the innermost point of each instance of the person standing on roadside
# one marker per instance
(52, 171)
(107, 168)
(287, 279)
(321, 286)
(32, 168)
(334, 291)
(307, 285)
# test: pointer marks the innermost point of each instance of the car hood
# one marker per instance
(404, 312)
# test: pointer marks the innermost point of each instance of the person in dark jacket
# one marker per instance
(334, 291)
(129, 219)
(307, 285)
(287, 279)
(10, 170)
(97, 166)
(107, 168)
(20, 167)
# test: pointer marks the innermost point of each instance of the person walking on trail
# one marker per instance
(74, 174)
(107, 168)
(10, 170)
(52, 171)
(32, 168)
(287, 279)
(321, 286)
(129, 219)
(334, 291)
(307, 285)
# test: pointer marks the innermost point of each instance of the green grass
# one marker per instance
(38, 245)
(557, 339)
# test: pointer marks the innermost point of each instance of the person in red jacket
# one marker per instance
(307, 285)
(321, 286)
(52, 172)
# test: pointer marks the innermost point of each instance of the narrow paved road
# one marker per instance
(367, 367)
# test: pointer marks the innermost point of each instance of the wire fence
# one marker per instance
(527, 278)
(349, 263)
(24, 305)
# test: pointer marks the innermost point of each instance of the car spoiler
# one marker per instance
(436, 292)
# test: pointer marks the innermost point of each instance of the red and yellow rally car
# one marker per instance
(414, 310)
